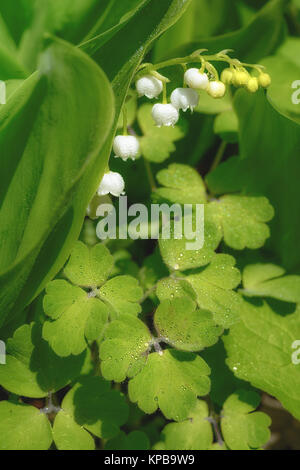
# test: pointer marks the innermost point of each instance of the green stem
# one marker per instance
(150, 175)
(219, 155)
(125, 127)
(164, 100)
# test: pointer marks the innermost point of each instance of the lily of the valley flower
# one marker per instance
(252, 85)
(112, 183)
(184, 98)
(196, 79)
(264, 80)
(216, 89)
(149, 86)
(165, 114)
(126, 146)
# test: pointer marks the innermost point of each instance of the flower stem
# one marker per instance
(125, 127)
(150, 175)
(219, 155)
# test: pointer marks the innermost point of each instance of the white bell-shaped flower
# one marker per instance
(112, 183)
(149, 86)
(184, 98)
(216, 89)
(165, 114)
(126, 146)
(196, 79)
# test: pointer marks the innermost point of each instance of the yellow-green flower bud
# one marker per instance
(240, 78)
(264, 80)
(227, 76)
(252, 85)
(216, 89)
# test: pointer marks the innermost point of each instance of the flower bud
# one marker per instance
(240, 78)
(252, 85)
(112, 183)
(126, 146)
(264, 80)
(196, 79)
(216, 89)
(165, 114)
(184, 98)
(149, 86)
(227, 76)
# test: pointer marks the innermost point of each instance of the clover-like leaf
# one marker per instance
(243, 220)
(194, 246)
(213, 286)
(89, 266)
(171, 381)
(122, 294)
(157, 144)
(135, 440)
(69, 435)
(268, 280)
(184, 327)
(32, 368)
(23, 427)
(170, 288)
(262, 349)
(77, 318)
(94, 406)
(242, 428)
(182, 184)
(123, 351)
(195, 433)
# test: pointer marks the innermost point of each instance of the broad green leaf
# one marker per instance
(182, 184)
(182, 253)
(185, 327)
(213, 286)
(284, 69)
(122, 295)
(76, 317)
(259, 350)
(89, 266)
(243, 220)
(268, 280)
(114, 16)
(94, 406)
(32, 369)
(257, 39)
(209, 105)
(242, 428)
(226, 126)
(195, 433)
(135, 440)
(216, 16)
(172, 382)
(124, 349)
(68, 435)
(23, 427)
(41, 127)
(264, 166)
(157, 144)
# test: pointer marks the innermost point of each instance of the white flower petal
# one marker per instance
(165, 114)
(149, 86)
